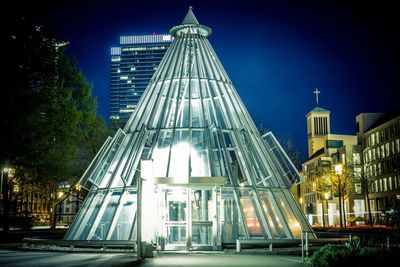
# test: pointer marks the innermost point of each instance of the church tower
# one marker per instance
(318, 125)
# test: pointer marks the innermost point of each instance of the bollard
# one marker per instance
(238, 248)
(302, 246)
(306, 246)
(387, 242)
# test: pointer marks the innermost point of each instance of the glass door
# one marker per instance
(203, 223)
(188, 219)
(176, 219)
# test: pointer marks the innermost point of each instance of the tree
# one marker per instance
(340, 180)
(366, 183)
(49, 127)
(320, 185)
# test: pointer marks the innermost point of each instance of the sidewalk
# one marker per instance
(209, 259)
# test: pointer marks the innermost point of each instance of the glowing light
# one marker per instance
(301, 200)
(179, 165)
(295, 225)
(326, 195)
(339, 169)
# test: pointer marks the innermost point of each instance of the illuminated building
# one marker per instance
(325, 151)
(133, 63)
(379, 135)
(190, 164)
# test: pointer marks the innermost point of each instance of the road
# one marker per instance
(60, 259)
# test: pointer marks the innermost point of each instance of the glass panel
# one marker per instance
(176, 234)
(161, 154)
(199, 155)
(179, 160)
(229, 216)
(291, 220)
(197, 113)
(274, 223)
(201, 234)
(209, 112)
(202, 205)
(125, 221)
(250, 214)
(105, 221)
(176, 211)
(202, 216)
(90, 216)
(76, 226)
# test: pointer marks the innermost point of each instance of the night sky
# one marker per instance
(276, 54)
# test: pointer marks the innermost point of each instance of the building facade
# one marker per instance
(69, 202)
(133, 63)
(381, 157)
(326, 150)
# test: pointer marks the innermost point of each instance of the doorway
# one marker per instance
(187, 218)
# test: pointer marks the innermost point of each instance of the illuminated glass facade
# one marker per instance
(206, 176)
(133, 64)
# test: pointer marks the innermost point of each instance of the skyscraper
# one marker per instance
(133, 63)
(190, 169)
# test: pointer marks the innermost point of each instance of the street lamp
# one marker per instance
(326, 196)
(339, 171)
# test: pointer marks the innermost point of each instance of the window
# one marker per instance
(67, 210)
(357, 188)
(385, 184)
(356, 158)
(390, 183)
(378, 152)
(359, 209)
(334, 143)
(387, 150)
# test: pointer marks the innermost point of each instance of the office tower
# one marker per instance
(133, 63)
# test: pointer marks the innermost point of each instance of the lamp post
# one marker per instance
(326, 196)
(339, 172)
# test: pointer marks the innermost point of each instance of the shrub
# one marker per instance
(350, 255)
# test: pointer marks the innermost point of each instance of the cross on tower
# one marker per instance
(317, 92)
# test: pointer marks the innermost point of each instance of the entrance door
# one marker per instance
(188, 219)
(203, 219)
(176, 219)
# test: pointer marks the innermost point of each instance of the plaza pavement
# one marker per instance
(18, 258)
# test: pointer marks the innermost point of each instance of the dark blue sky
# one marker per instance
(275, 52)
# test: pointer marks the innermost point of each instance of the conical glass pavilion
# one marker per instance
(190, 164)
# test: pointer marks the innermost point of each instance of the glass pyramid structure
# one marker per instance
(191, 160)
